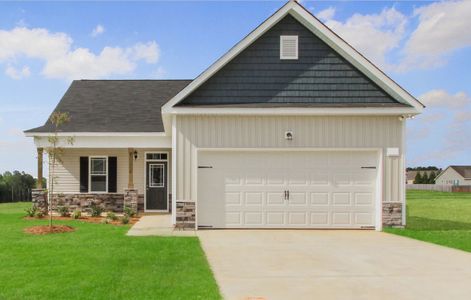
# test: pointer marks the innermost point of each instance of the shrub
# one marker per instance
(125, 219)
(39, 214)
(76, 214)
(31, 212)
(63, 211)
(96, 209)
(105, 221)
(111, 216)
(129, 212)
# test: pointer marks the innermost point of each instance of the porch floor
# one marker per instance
(157, 225)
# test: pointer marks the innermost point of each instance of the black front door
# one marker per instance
(156, 186)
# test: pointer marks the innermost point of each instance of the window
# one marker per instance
(156, 175)
(98, 174)
(289, 47)
(156, 156)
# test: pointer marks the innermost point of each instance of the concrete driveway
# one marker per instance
(316, 264)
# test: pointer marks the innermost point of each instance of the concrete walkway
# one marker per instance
(317, 264)
(157, 225)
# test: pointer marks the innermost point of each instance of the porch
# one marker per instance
(112, 178)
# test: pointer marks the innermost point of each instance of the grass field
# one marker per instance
(98, 261)
(440, 218)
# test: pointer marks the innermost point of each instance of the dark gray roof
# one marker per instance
(115, 105)
(257, 77)
(464, 171)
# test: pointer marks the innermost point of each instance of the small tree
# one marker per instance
(432, 177)
(418, 178)
(54, 152)
(425, 178)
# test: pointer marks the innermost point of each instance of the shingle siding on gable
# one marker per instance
(319, 77)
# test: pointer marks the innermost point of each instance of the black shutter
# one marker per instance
(112, 174)
(83, 174)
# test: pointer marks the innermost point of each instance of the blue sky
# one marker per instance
(424, 46)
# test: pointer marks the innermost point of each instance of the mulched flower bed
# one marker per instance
(97, 220)
(45, 229)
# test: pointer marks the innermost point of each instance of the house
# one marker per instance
(291, 128)
(410, 175)
(455, 175)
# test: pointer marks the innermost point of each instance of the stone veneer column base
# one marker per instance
(131, 199)
(39, 199)
(186, 215)
(392, 214)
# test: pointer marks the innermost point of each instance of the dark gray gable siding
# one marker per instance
(319, 77)
(115, 105)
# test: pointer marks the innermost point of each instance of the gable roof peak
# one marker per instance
(308, 20)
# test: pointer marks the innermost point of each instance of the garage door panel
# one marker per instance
(341, 218)
(326, 189)
(320, 218)
(275, 218)
(297, 218)
(297, 198)
(233, 198)
(341, 199)
(253, 218)
(254, 199)
(321, 198)
(275, 199)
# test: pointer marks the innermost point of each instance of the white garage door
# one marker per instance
(278, 189)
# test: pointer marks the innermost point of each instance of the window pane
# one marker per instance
(156, 175)
(156, 156)
(98, 183)
(98, 166)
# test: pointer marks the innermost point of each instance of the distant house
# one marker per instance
(410, 175)
(455, 175)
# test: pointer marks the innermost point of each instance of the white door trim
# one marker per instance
(145, 179)
(379, 177)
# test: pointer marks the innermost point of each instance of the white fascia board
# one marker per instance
(108, 142)
(296, 111)
(320, 30)
(102, 134)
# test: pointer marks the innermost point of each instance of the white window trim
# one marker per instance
(90, 175)
(288, 37)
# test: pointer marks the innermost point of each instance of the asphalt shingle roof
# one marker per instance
(464, 171)
(115, 105)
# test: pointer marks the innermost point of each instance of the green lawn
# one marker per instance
(98, 262)
(440, 218)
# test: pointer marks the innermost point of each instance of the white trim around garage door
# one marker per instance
(379, 177)
(166, 182)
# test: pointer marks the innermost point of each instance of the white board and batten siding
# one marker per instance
(68, 171)
(194, 134)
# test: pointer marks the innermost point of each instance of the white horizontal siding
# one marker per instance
(268, 132)
(67, 177)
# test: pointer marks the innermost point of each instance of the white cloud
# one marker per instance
(441, 98)
(463, 116)
(149, 52)
(326, 14)
(14, 73)
(443, 27)
(374, 35)
(98, 30)
(61, 60)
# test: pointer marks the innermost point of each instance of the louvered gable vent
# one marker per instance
(289, 47)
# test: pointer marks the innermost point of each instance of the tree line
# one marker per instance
(16, 186)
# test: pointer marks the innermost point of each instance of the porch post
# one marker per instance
(39, 183)
(131, 168)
